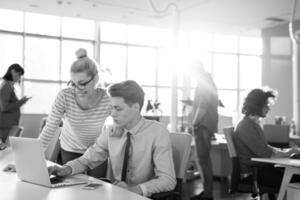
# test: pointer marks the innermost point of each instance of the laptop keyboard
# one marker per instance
(56, 179)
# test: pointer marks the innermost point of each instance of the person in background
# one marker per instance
(250, 142)
(205, 124)
(140, 150)
(9, 103)
(84, 108)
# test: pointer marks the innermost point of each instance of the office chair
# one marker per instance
(181, 146)
(16, 131)
(53, 148)
(241, 184)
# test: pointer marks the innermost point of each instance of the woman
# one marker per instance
(9, 103)
(84, 108)
(250, 141)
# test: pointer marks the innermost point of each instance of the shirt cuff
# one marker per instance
(76, 166)
(144, 190)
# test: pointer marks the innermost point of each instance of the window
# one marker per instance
(142, 35)
(42, 24)
(46, 47)
(68, 56)
(250, 72)
(11, 20)
(226, 43)
(113, 32)
(251, 45)
(78, 28)
(10, 50)
(43, 95)
(225, 71)
(142, 65)
(114, 58)
(42, 58)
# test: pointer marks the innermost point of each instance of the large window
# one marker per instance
(45, 45)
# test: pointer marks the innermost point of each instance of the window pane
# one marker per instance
(11, 20)
(10, 50)
(142, 65)
(42, 58)
(113, 32)
(40, 92)
(108, 55)
(78, 28)
(225, 71)
(142, 35)
(68, 55)
(164, 68)
(229, 99)
(226, 43)
(280, 46)
(200, 41)
(42, 24)
(149, 95)
(251, 45)
(250, 72)
(164, 97)
(165, 38)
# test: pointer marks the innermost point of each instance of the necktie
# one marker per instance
(126, 157)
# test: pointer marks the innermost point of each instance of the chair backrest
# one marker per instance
(53, 148)
(235, 171)
(16, 131)
(228, 132)
(181, 146)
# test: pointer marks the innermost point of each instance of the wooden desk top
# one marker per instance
(12, 188)
(280, 161)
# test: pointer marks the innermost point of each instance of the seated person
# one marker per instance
(250, 141)
(149, 168)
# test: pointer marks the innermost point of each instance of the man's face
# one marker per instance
(122, 113)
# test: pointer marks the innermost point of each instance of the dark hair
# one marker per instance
(256, 100)
(129, 90)
(17, 68)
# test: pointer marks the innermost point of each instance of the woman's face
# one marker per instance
(82, 83)
(16, 76)
(265, 110)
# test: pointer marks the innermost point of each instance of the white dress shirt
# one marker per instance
(150, 162)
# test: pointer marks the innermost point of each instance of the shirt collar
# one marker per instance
(135, 130)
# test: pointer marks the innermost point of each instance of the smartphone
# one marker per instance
(91, 186)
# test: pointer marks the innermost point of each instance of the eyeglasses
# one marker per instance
(80, 86)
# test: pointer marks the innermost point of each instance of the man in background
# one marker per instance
(205, 124)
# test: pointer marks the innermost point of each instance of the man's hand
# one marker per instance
(135, 189)
(60, 171)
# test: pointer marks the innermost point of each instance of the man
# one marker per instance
(205, 124)
(139, 150)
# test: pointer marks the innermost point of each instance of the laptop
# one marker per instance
(31, 164)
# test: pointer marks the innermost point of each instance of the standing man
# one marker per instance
(205, 124)
(140, 150)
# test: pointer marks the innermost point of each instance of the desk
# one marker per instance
(12, 188)
(292, 166)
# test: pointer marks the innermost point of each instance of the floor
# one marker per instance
(193, 187)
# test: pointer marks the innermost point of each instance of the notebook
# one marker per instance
(31, 164)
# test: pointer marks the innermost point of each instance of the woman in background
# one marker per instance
(83, 106)
(250, 141)
(9, 103)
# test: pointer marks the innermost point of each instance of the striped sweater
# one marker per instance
(81, 127)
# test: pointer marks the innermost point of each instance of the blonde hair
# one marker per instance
(84, 64)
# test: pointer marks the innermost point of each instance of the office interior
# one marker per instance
(243, 44)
